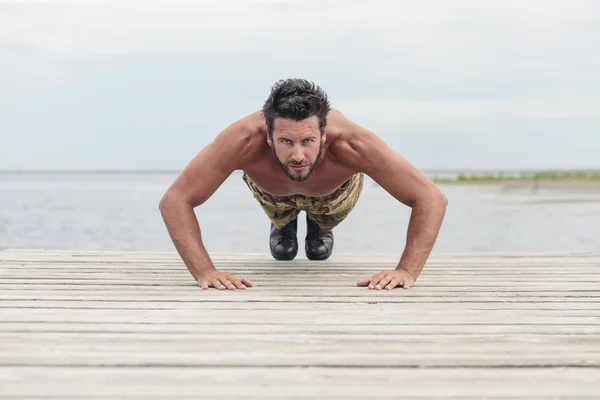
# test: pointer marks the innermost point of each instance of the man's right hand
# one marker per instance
(222, 280)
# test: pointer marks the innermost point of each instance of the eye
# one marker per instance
(308, 140)
(286, 141)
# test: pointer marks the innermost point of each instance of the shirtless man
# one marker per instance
(299, 154)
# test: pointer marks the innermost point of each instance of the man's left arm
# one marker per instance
(412, 188)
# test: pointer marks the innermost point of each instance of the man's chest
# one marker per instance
(325, 179)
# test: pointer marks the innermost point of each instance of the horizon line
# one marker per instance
(175, 171)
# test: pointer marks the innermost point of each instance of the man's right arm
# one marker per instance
(196, 184)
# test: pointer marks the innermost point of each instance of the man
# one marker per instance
(299, 154)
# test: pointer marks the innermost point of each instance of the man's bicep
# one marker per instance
(209, 168)
(202, 176)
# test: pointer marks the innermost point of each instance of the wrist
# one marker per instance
(205, 270)
(412, 273)
(201, 270)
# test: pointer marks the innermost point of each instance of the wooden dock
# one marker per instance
(105, 325)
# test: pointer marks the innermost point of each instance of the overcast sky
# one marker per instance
(91, 84)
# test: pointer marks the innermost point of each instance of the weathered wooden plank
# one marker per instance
(309, 278)
(134, 284)
(555, 304)
(377, 297)
(439, 314)
(296, 383)
(129, 277)
(227, 354)
(300, 269)
(316, 265)
(342, 287)
(321, 269)
(202, 339)
(262, 281)
(232, 329)
(375, 316)
(350, 291)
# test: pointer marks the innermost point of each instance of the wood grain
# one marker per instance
(99, 324)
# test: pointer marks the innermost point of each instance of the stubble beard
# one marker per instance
(300, 178)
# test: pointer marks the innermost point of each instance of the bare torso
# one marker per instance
(263, 168)
(347, 149)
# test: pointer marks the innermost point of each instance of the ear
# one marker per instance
(269, 140)
(323, 137)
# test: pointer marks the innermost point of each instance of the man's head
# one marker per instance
(296, 114)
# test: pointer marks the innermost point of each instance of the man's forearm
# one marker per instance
(184, 231)
(423, 228)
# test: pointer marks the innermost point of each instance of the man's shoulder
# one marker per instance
(247, 130)
(251, 125)
(246, 137)
(342, 132)
(350, 143)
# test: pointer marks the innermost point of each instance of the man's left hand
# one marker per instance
(389, 280)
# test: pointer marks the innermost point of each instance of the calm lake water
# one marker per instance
(120, 212)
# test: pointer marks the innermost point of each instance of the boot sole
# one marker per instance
(279, 257)
(313, 257)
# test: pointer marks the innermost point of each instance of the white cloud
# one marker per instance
(115, 27)
(432, 113)
(426, 63)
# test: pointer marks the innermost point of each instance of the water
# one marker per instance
(120, 212)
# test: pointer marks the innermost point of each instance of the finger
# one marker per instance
(246, 282)
(384, 281)
(228, 284)
(364, 282)
(392, 284)
(217, 284)
(238, 283)
(204, 284)
(406, 284)
(375, 280)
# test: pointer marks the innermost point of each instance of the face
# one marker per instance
(297, 146)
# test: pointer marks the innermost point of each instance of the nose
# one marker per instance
(298, 154)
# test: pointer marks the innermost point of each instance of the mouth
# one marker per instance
(298, 168)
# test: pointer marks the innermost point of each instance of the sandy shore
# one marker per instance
(576, 186)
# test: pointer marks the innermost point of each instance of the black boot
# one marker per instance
(319, 244)
(284, 242)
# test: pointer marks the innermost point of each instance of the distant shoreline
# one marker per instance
(578, 180)
(533, 176)
(581, 186)
(570, 180)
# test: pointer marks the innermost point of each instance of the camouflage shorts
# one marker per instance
(327, 211)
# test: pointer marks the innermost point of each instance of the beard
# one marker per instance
(300, 178)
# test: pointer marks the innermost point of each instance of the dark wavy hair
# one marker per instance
(296, 99)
